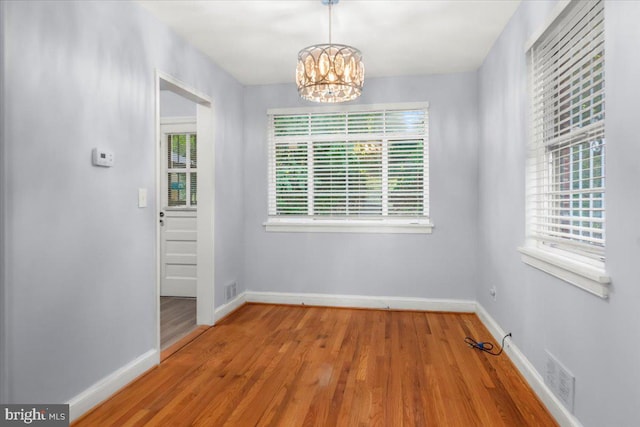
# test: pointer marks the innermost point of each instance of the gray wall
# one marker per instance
(174, 105)
(595, 339)
(3, 308)
(80, 265)
(440, 265)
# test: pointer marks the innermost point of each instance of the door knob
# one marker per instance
(161, 214)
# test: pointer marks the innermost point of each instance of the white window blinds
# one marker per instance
(365, 163)
(567, 159)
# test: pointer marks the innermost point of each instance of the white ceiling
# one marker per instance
(257, 41)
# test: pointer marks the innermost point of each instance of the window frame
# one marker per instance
(571, 264)
(177, 126)
(348, 223)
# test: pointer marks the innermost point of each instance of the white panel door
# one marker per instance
(179, 216)
(179, 254)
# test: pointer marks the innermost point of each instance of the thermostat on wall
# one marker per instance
(102, 157)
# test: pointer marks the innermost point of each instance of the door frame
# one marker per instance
(205, 288)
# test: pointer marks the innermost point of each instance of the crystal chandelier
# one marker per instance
(329, 72)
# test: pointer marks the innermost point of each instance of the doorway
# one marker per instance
(185, 210)
(178, 218)
(179, 204)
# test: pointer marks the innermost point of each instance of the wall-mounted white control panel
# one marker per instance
(102, 157)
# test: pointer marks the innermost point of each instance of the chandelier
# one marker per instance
(329, 72)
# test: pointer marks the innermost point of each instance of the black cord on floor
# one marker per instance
(487, 347)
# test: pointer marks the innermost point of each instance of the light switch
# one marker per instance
(142, 197)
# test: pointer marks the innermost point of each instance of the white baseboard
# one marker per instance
(526, 368)
(233, 305)
(106, 387)
(358, 301)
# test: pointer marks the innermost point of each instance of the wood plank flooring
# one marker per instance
(269, 365)
(177, 319)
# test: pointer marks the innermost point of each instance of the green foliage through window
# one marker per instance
(349, 164)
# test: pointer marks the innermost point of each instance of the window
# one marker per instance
(349, 169)
(182, 162)
(566, 170)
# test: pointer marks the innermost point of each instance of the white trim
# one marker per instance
(109, 385)
(526, 368)
(206, 215)
(347, 226)
(353, 107)
(167, 127)
(181, 88)
(555, 13)
(529, 372)
(231, 306)
(158, 179)
(581, 274)
(362, 301)
(205, 122)
(178, 120)
(301, 136)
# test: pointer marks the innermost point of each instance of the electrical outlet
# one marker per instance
(492, 292)
(560, 380)
(507, 342)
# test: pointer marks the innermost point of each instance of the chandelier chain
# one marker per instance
(330, 24)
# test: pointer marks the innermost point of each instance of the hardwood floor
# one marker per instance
(177, 319)
(293, 366)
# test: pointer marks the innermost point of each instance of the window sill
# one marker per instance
(581, 274)
(348, 226)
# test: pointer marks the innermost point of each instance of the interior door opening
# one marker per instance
(178, 218)
(184, 178)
